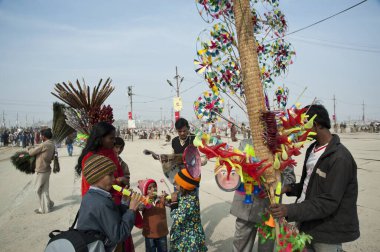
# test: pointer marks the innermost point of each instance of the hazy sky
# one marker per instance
(139, 43)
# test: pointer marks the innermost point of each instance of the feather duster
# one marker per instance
(24, 162)
(60, 128)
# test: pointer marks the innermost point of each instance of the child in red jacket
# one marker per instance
(155, 227)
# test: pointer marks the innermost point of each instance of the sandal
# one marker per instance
(38, 211)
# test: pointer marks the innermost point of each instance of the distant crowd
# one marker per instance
(140, 133)
(167, 133)
(21, 137)
(24, 137)
(343, 127)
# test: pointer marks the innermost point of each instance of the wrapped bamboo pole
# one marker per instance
(253, 89)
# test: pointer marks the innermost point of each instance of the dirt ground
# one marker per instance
(23, 230)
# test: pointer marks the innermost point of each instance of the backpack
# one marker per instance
(74, 240)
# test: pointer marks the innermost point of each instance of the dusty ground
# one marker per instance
(23, 230)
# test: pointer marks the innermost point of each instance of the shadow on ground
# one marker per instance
(70, 200)
(211, 217)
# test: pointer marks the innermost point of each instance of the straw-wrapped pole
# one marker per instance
(253, 88)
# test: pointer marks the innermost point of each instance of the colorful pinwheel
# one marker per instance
(208, 107)
(281, 94)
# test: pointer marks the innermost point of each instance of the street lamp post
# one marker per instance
(179, 80)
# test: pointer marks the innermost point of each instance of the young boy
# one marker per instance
(98, 212)
(118, 148)
(155, 227)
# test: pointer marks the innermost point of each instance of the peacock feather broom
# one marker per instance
(85, 107)
(60, 128)
(24, 162)
(80, 97)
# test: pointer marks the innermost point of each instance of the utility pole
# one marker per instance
(3, 119)
(161, 117)
(172, 118)
(229, 109)
(179, 80)
(363, 118)
(334, 118)
(130, 94)
(17, 121)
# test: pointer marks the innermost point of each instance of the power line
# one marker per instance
(168, 97)
(349, 103)
(320, 21)
(15, 103)
(336, 45)
(158, 99)
(357, 45)
(146, 96)
(193, 86)
(197, 82)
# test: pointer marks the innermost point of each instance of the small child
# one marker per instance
(98, 212)
(118, 148)
(186, 233)
(155, 227)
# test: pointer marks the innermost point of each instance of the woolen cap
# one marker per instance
(186, 181)
(96, 167)
(144, 184)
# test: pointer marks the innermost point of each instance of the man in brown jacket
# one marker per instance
(44, 155)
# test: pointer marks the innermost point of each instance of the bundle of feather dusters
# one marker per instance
(24, 162)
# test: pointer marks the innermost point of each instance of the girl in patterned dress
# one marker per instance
(186, 233)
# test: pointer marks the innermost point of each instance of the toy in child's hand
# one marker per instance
(174, 197)
(154, 155)
(164, 195)
(171, 163)
(172, 200)
(167, 186)
(144, 200)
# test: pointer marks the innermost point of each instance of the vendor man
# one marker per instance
(184, 138)
(328, 190)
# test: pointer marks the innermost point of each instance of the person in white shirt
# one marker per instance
(327, 193)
